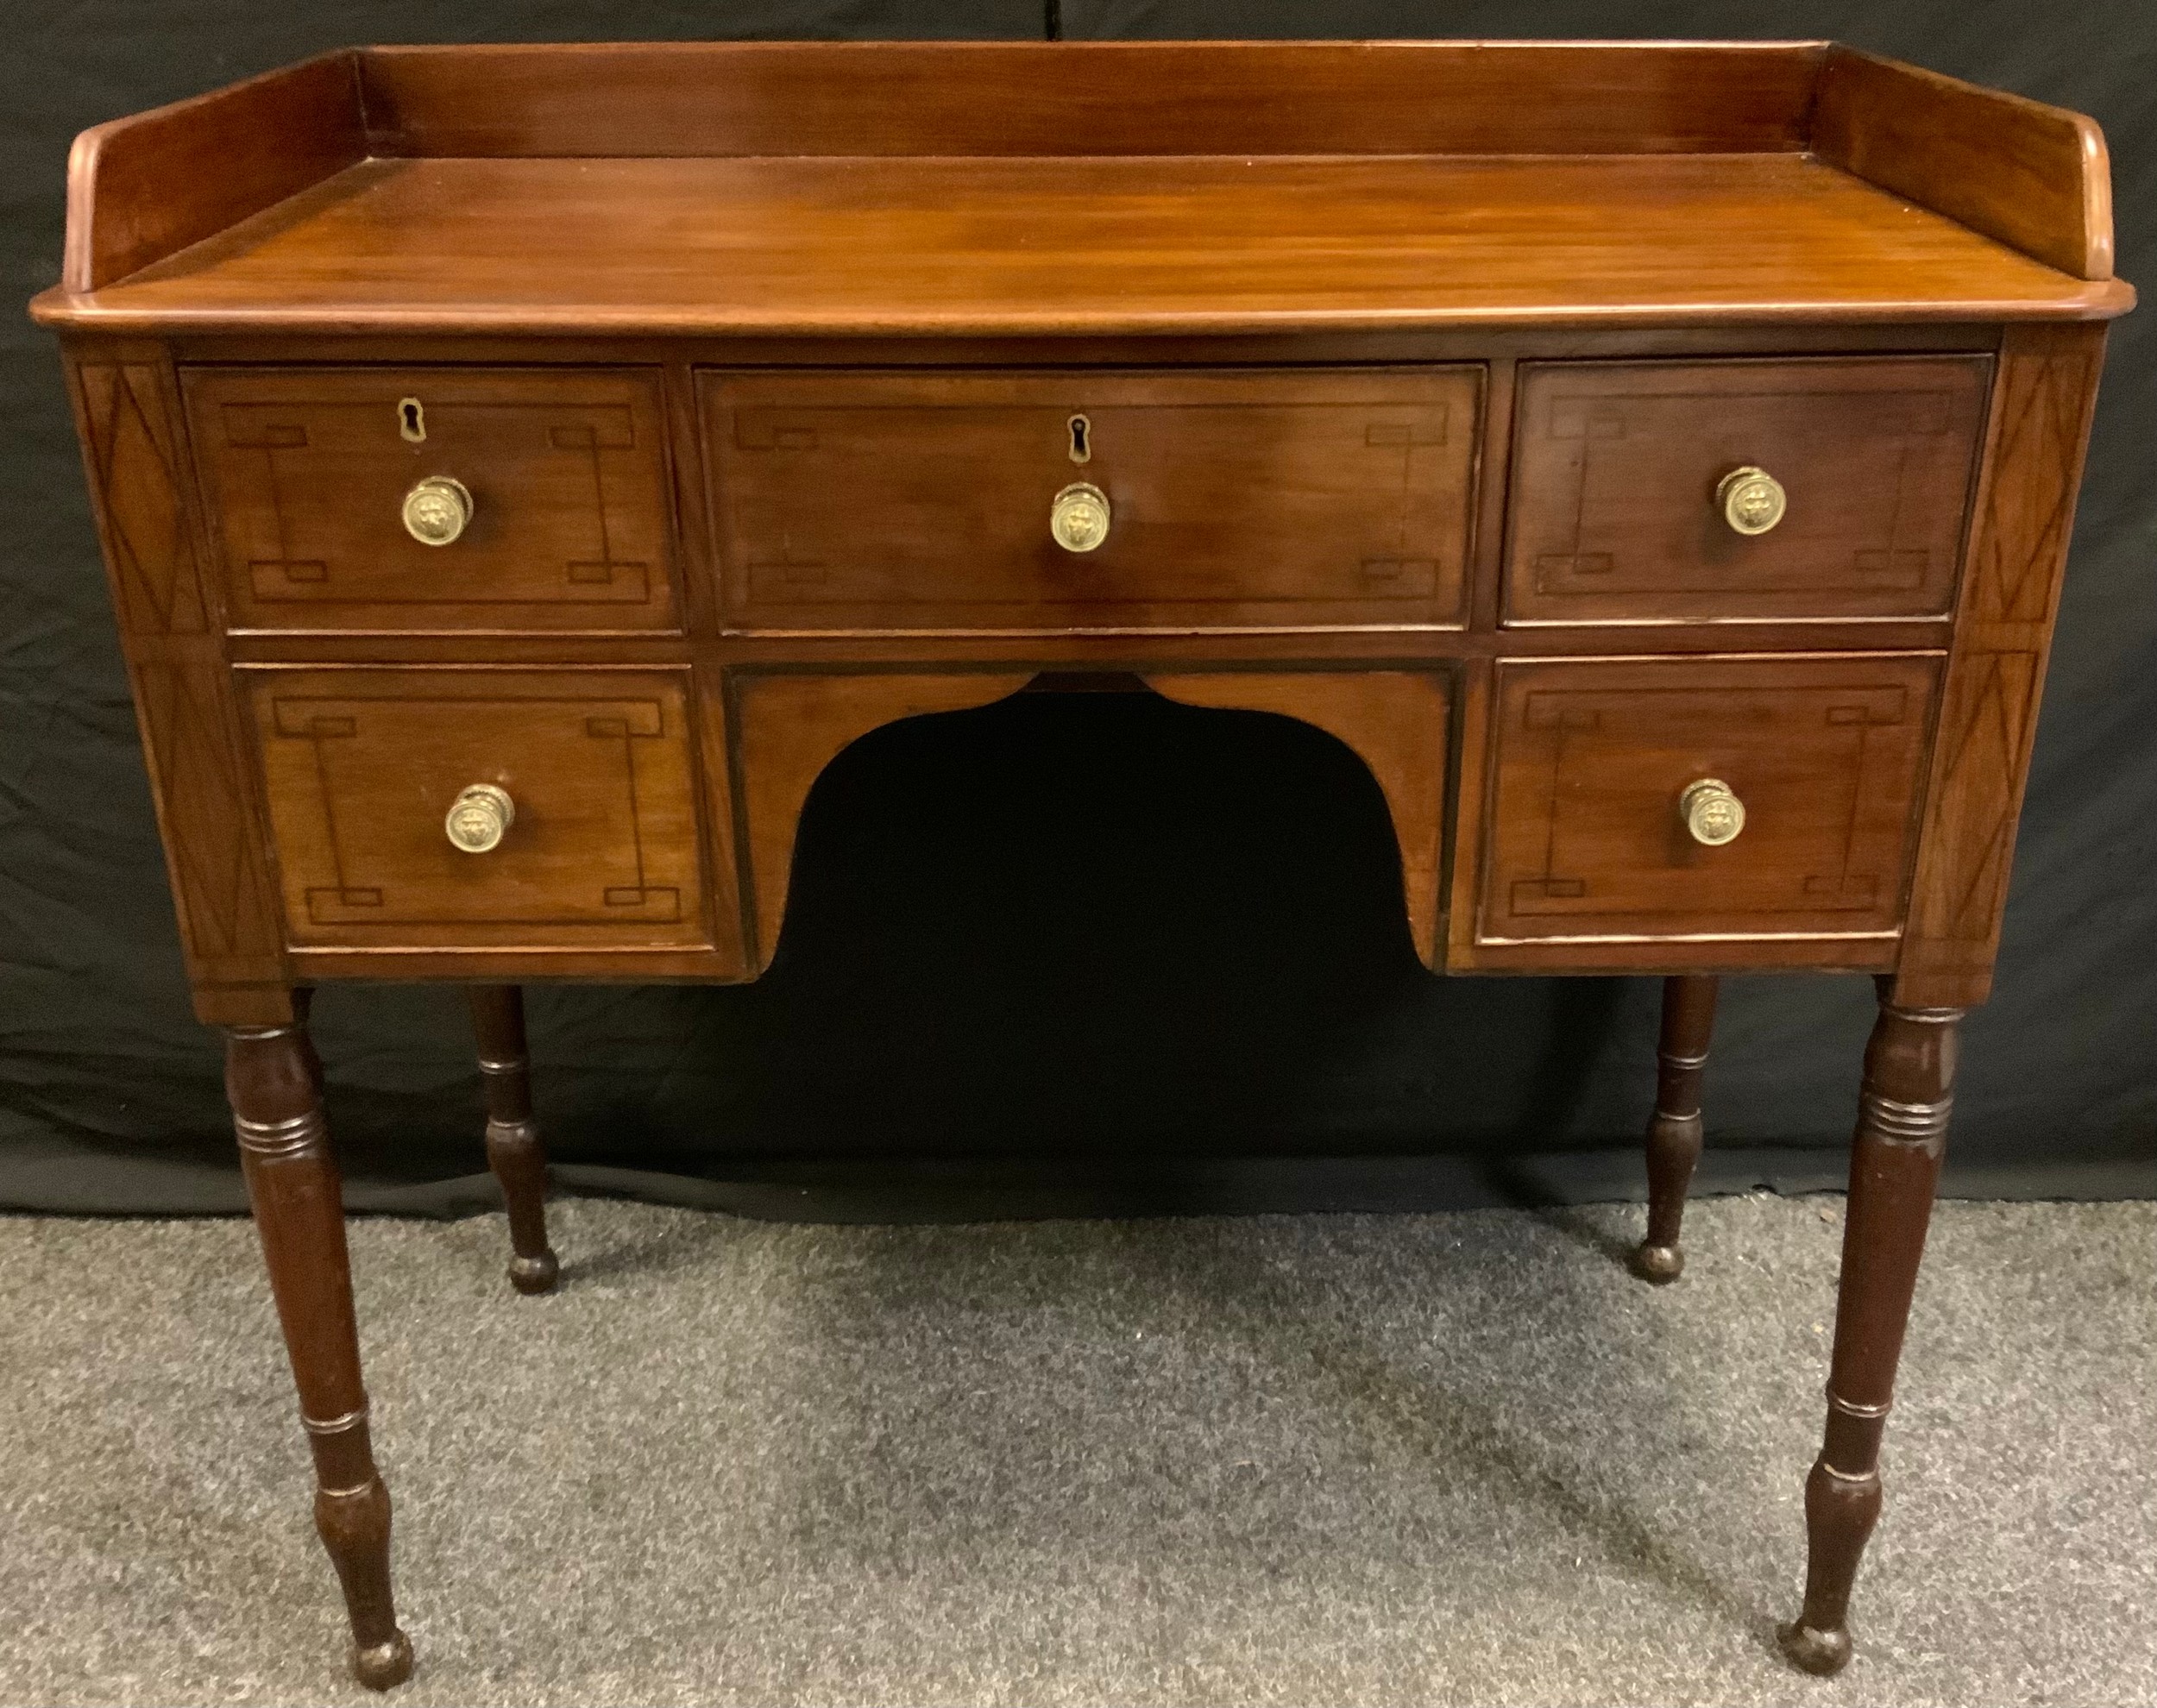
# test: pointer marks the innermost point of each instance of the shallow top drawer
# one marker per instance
(436, 499)
(1250, 498)
(1647, 492)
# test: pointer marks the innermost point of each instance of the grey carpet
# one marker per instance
(1447, 1459)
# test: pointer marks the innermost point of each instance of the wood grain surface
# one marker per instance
(1397, 722)
(1585, 837)
(1275, 498)
(1095, 244)
(2032, 176)
(307, 471)
(1615, 517)
(1070, 98)
(362, 767)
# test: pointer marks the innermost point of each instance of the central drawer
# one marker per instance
(1232, 500)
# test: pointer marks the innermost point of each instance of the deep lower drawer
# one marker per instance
(454, 808)
(1231, 500)
(445, 498)
(1672, 798)
(1647, 492)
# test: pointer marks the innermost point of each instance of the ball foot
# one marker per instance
(1659, 1263)
(380, 1665)
(534, 1274)
(1817, 1652)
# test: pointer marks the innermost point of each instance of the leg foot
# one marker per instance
(1894, 1165)
(1674, 1131)
(275, 1086)
(513, 1151)
(1821, 1653)
(384, 1665)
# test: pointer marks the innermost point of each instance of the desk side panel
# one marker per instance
(134, 441)
(2044, 395)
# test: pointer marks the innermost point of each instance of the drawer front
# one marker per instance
(307, 471)
(1585, 835)
(1617, 517)
(601, 849)
(1236, 499)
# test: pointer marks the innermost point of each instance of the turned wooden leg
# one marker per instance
(1674, 1131)
(275, 1085)
(1910, 1070)
(513, 1151)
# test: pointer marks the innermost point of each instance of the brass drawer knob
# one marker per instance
(1079, 517)
(479, 818)
(1753, 500)
(436, 510)
(1712, 812)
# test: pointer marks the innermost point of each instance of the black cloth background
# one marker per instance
(1068, 953)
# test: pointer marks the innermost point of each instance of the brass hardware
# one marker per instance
(1712, 812)
(1079, 517)
(479, 818)
(436, 510)
(411, 421)
(1081, 438)
(1753, 500)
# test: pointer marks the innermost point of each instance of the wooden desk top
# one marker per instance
(1015, 188)
(985, 245)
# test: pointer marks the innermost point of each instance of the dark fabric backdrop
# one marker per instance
(1064, 953)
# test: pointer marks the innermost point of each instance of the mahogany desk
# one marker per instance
(522, 469)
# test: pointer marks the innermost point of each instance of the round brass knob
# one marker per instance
(436, 510)
(479, 818)
(1712, 812)
(1079, 517)
(1753, 500)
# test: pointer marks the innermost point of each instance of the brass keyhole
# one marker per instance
(411, 421)
(1081, 439)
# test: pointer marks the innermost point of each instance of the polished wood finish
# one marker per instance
(1244, 500)
(1002, 99)
(1395, 721)
(140, 189)
(1615, 517)
(2029, 175)
(1674, 1131)
(363, 766)
(274, 1083)
(2043, 403)
(789, 725)
(514, 1150)
(1095, 243)
(1592, 758)
(1409, 372)
(134, 439)
(307, 471)
(1894, 1157)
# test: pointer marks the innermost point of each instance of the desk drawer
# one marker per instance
(1617, 516)
(1243, 499)
(309, 473)
(596, 783)
(1587, 837)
